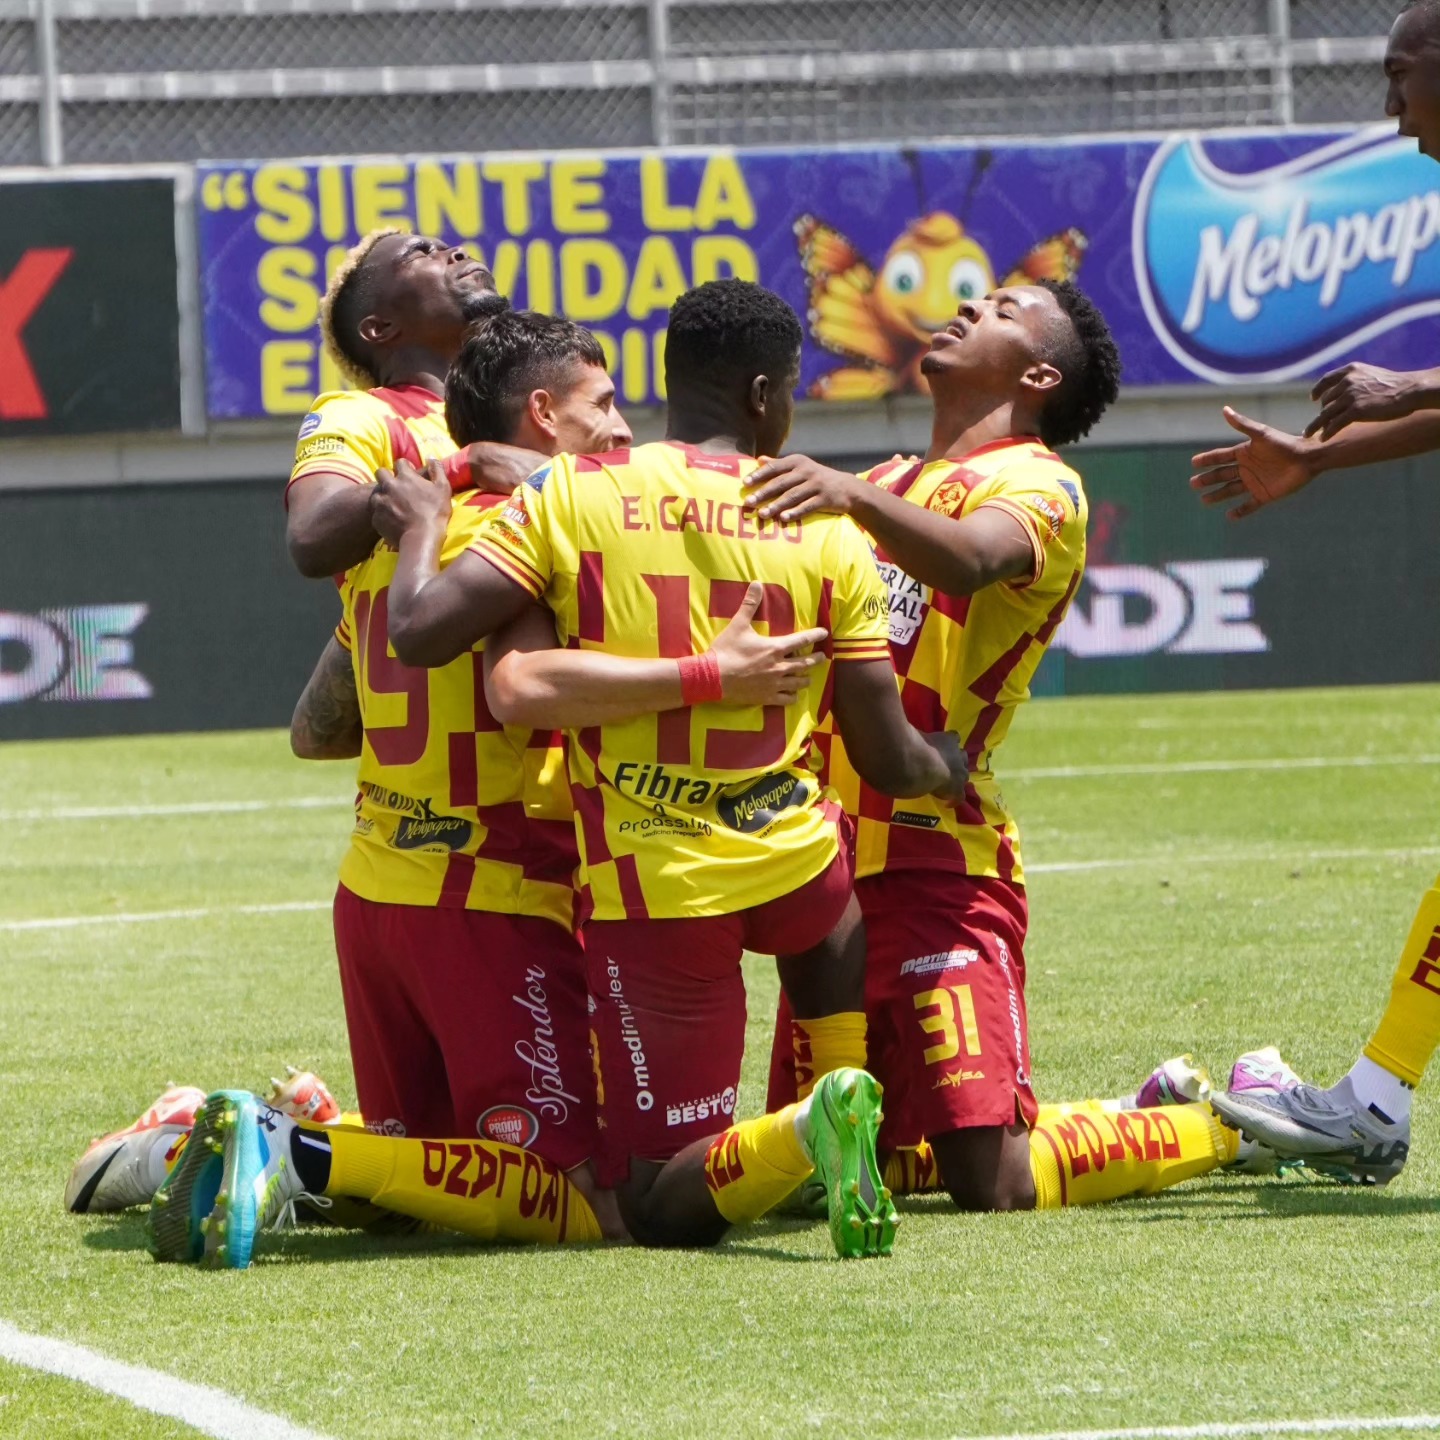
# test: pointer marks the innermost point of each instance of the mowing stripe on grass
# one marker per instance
(212, 1412)
(1222, 1430)
(1053, 867)
(1050, 772)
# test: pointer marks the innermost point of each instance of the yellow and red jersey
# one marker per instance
(454, 809)
(965, 662)
(357, 432)
(648, 552)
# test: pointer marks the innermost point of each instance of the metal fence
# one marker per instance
(87, 81)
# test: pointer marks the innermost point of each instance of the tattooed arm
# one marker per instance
(326, 724)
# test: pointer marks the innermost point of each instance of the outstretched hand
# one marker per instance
(758, 669)
(405, 499)
(1266, 466)
(1366, 392)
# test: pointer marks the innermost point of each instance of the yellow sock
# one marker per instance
(1092, 1156)
(826, 1044)
(1409, 1030)
(485, 1189)
(751, 1167)
(913, 1171)
(1066, 1108)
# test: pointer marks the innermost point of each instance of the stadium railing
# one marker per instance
(114, 81)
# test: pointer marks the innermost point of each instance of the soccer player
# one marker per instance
(393, 317)
(699, 836)
(463, 984)
(982, 545)
(1359, 1128)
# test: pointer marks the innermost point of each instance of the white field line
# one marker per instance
(1182, 861)
(195, 807)
(212, 1412)
(1176, 859)
(1218, 767)
(145, 917)
(1344, 1425)
(1051, 772)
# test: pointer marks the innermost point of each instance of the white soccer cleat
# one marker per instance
(128, 1166)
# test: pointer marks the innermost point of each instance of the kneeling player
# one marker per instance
(463, 984)
(982, 545)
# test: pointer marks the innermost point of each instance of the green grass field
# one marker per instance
(1186, 908)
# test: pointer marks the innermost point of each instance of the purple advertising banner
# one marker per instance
(1252, 257)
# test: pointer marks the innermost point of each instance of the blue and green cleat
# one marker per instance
(180, 1207)
(844, 1126)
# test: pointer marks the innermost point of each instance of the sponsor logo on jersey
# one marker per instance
(910, 817)
(320, 445)
(712, 1107)
(908, 599)
(953, 1079)
(661, 822)
(956, 959)
(547, 1092)
(760, 803)
(509, 1124)
(654, 782)
(393, 1128)
(309, 425)
(426, 830)
(1052, 510)
(1268, 274)
(536, 481)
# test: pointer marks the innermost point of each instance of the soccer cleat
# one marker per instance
(259, 1186)
(181, 1205)
(844, 1125)
(128, 1166)
(1175, 1082)
(1329, 1131)
(303, 1095)
(1262, 1070)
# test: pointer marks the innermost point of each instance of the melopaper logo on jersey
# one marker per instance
(1270, 274)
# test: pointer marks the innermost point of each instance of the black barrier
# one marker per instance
(175, 607)
(89, 320)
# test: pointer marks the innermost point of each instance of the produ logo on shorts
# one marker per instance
(1269, 274)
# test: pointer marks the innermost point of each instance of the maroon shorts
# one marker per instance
(945, 1005)
(669, 1015)
(465, 1022)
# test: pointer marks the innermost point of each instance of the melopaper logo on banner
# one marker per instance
(1269, 275)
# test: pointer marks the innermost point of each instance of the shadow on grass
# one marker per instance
(332, 1244)
(1271, 1200)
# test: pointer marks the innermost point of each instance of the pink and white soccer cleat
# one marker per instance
(1175, 1082)
(303, 1095)
(128, 1166)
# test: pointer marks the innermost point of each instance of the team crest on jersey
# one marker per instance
(949, 498)
(309, 425)
(508, 1124)
(538, 479)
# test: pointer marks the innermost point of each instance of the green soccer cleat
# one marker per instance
(844, 1125)
(180, 1206)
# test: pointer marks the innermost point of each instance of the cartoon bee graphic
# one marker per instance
(881, 322)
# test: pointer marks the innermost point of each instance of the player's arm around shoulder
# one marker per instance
(342, 441)
(435, 615)
(955, 555)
